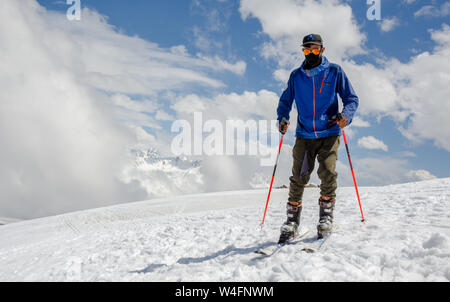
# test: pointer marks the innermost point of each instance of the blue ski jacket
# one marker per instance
(315, 92)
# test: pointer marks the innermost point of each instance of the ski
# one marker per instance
(274, 248)
(319, 243)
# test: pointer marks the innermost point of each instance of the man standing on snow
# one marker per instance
(314, 87)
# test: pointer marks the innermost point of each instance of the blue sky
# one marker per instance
(171, 23)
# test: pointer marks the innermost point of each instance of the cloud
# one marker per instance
(112, 61)
(220, 64)
(161, 115)
(359, 122)
(135, 113)
(408, 154)
(285, 22)
(385, 170)
(371, 143)
(422, 84)
(388, 24)
(164, 176)
(410, 92)
(248, 105)
(61, 147)
(235, 171)
(74, 96)
(419, 175)
(213, 35)
(433, 11)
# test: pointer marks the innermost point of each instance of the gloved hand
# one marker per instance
(341, 121)
(283, 126)
(338, 119)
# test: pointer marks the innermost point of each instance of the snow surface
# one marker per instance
(5, 220)
(211, 237)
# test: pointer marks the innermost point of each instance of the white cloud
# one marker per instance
(359, 122)
(419, 175)
(408, 154)
(388, 24)
(115, 62)
(410, 92)
(135, 113)
(248, 105)
(62, 148)
(220, 64)
(374, 87)
(161, 115)
(433, 11)
(213, 35)
(287, 21)
(370, 142)
(380, 171)
(65, 119)
(422, 85)
(189, 104)
(235, 172)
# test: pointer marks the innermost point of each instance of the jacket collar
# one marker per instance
(316, 70)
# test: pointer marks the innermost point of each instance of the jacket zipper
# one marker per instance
(314, 102)
(322, 82)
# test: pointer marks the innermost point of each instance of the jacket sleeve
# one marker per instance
(286, 100)
(348, 96)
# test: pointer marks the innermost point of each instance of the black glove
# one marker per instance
(335, 119)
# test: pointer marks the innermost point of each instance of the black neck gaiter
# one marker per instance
(312, 61)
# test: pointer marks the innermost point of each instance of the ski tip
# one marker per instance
(308, 250)
(262, 253)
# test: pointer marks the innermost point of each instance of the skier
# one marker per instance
(314, 87)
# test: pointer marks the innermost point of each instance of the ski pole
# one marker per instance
(353, 174)
(271, 183)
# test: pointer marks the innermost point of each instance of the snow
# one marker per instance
(211, 237)
(162, 176)
(6, 220)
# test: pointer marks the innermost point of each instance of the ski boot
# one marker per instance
(325, 225)
(289, 228)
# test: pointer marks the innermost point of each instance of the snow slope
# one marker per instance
(5, 220)
(211, 237)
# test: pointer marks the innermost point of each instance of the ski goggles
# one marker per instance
(314, 51)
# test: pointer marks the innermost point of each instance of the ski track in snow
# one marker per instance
(211, 237)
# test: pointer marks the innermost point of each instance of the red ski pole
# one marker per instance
(353, 174)
(271, 183)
